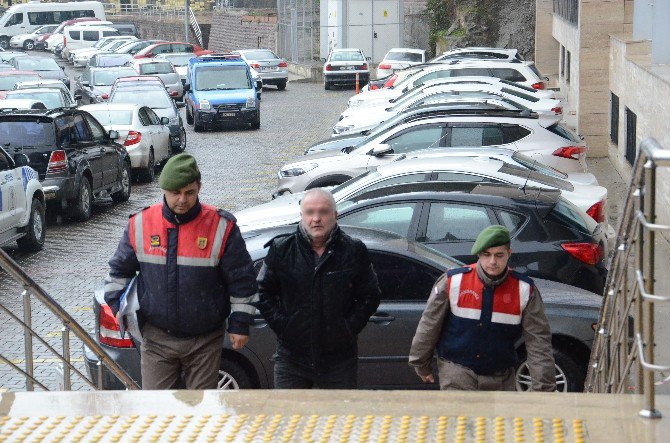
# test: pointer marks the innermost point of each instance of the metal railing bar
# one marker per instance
(645, 364)
(650, 226)
(16, 368)
(655, 152)
(29, 284)
(627, 368)
(653, 298)
(47, 345)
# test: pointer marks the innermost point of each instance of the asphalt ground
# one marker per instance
(239, 169)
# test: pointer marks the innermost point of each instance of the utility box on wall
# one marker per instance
(375, 26)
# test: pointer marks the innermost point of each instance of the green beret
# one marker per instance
(490, 237)
(178, 172)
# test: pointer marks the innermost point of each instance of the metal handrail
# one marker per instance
(614, 357)
(31, 288)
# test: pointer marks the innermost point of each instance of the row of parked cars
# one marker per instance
(417, 186)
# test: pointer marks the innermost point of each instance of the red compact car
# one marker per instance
(170, 47)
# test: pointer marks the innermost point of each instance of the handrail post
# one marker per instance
(649, 209)
(28, 342)
(639, 260)
(67, 381)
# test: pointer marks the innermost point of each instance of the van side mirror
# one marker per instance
(21, 160)
(187, 87)
(165, 121)
(113, 135)
(259, 85)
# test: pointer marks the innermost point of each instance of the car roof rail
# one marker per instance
(219, 57)
(513, 113)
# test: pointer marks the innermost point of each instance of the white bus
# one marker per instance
(24, 18)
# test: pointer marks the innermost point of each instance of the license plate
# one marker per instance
(227, 114)
(268, 68)
(351, 68)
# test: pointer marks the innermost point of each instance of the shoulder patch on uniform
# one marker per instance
(463, 270)
(138, 211)
(227, 215)
(277, 237)
(522, 277)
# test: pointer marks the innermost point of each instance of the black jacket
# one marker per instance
(317, 305)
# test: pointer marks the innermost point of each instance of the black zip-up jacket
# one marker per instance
(317, 305)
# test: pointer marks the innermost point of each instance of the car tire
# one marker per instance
(123, 194)
(4, 42)
(147, 174)
(182, 141)
(189, 117)
(34, 239)
(29, 45)
(569, 375)
(257, 122)
(326, 85)
(197, 127)
(81, 209)
(281, 85)
(232, 376)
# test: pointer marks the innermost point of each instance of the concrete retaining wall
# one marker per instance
(171, 29)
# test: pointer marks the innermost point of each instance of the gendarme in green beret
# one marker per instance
(178, 172)
(490, 237)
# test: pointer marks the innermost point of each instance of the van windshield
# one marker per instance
(210, 78)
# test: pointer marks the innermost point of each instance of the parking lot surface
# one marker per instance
(239, 168)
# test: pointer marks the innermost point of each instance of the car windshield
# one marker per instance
(106, 77)
(529, 174)
(178, 60)
(51, 99)
(26, 133)
(37, 64)
(535, 165)
(156, 68)
(346, 56)
(208, 78)
(260, 55)
(7, 82)
(402, 56)
(116, 44)
(153, 98)
(108, 117)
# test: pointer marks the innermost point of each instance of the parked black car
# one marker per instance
(407, 272)
(551, 237)
(76, 159)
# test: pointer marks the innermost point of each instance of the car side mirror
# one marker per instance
(187, 87)
(113, 135)
(21, 160)
(180, 105)
(165, 121)
(259, 84)
(382, 149)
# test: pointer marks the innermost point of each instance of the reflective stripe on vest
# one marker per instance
(466, 295)
(141, 238)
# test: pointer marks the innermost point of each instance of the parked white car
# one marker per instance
(145, 136)
(272, 69)
(21, 203)
(478, 53)
(342, 66)
(540, 138)
(400, 58)
(474, 166)
(27, 41)
(50, 84)
(52, 98)
(164, 70)
(366, 117)
(80, 57)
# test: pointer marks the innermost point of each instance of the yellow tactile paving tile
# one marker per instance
(244, 428)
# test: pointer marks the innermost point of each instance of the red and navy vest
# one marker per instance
(483, 324)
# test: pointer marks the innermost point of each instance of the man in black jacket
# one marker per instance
(317, 290)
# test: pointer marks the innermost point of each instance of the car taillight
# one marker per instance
(174, 94)
(384, 66)
(597, 211)
(557, 110)
(133, 138)
(329, 68)
(57, 162)
(64, 41)
(390, 81)
(589, 253)
(104, 96)
(282, 64)
(109, 330)
(364, 67)
(373, 87)
(571, 152)
(538, 85)
(255, 65)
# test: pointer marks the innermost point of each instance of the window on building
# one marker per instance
(631, 134)
(614, 118)
(562, 60)
(567, 67)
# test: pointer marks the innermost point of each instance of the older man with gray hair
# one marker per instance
(317, 290)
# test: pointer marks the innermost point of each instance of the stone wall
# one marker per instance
(239, 29)
(170, 29)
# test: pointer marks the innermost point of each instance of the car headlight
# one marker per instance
(294, 171)
(251, 102)
(337, 129)
(204, 105)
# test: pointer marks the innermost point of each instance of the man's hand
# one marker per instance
(238, 341)
(427, 378)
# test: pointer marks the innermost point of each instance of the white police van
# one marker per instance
(26, 17)
(22, 217)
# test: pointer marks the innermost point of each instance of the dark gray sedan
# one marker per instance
(407, 272)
